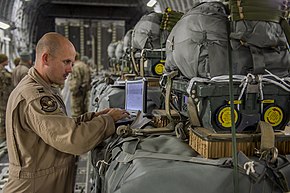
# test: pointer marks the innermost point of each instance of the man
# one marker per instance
(41, 139)
(22, 68)
(5, 89)
(80, 85)
(16, 61)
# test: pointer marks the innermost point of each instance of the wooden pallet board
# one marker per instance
(218, 145)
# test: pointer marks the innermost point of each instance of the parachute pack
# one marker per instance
(199, 44)
(146, 33)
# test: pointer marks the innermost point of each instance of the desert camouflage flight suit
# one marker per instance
(19, 72)
(5, 90)
(42, 140)
(80, 85)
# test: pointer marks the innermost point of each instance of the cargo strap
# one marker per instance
(142, 60)
(278, 166)
(267, 135)
(125, 157)
(267, 150)
(258, 169)
(137, 127)
(258, 60)
(259, 10)
(286, 28)
(284, 171)
(279, 172)
(126, 130)
(193, 113)
(233, 127)
(135, 67)
(168, 88)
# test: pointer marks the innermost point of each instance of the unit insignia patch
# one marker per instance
(48, 104)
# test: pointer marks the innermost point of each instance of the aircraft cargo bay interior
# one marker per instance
(144, 96)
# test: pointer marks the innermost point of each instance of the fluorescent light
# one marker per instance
(151, 3)
(4, 25)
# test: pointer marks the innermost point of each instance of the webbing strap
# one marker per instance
(267, 135)
(258, 60)
(125, 157)
(168, 87)
(286, 28)
(130, 145)
(142, 60)
(135, 68)
(279, 171)
(118, 176)
(285, 177)
(193, 113)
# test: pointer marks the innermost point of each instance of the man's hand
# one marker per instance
(117, 113)
(105, 111)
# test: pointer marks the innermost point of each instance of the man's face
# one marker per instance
(61, 65)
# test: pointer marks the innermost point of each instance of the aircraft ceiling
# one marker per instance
(32, 18)
(130, 10)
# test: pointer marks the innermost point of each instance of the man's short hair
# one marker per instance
(16, 61)
(3, 58)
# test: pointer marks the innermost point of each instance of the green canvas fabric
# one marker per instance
(162, 163)
(146, 33)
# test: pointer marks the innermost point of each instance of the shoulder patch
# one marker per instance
(48, 104)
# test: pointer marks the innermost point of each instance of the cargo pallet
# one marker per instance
(217, 145)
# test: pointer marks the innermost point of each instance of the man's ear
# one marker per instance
(44, 58)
